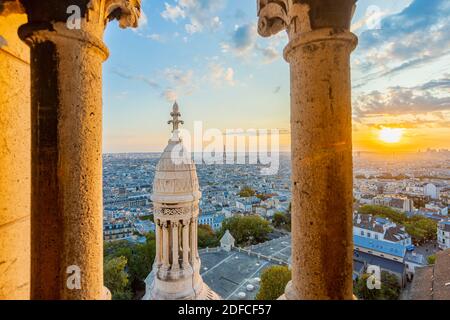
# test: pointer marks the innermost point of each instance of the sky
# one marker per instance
(207, 55)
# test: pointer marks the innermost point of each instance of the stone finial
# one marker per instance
(175, 114)
(127, 12)
(300, 16)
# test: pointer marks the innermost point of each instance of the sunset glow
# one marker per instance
(224, 68)
(390, 135)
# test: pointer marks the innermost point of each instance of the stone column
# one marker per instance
(66, 127)
(175, 245)
(158, 242)
(15, 157)
(185, 243)
(318, 52)
(193, 241)
(165, 246)
(196, 237)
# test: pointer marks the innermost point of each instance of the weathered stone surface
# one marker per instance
(322, 168)
(298, 16)
(66, 127)
(318, 53)
(98, 11)
(67, 181)
(15, 158)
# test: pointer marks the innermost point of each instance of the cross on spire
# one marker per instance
(175, 114)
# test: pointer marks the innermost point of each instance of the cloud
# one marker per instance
(243, 43)
(229, 76)
(176, 82)
(219, 75)
(216, 23)
(414, 37)
(142, 29)
(172, 13)
(154, 37)
(399, 100)
(437, 84)
(270, 54)
(183, 82)
(371, 19)
(150, 82)
(193, 28)
(151, 36)
(143, 21)
(170, 95)
(180, 83)
(201, 14)
(179, 77)
(243, 39)
(428, 103)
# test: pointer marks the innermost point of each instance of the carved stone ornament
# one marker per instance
(277, 15)
(127, 12)
(170, 211)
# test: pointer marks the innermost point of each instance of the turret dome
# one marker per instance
(175, 177)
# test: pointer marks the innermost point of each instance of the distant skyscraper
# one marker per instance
(176, 194)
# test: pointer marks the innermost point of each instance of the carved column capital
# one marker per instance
(306, 21)
(50, 21)
(278, 15)
(298, 17)
(127, 12)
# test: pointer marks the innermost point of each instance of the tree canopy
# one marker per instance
(246, 230)
(273, 282)
(263, 196)
(207, 237)
(390, 288)
(431, 259)
(282, 220)
(116, 279)
(139, 260)
(383, 212)
(147, 217)
(246, 192)
(420, 228)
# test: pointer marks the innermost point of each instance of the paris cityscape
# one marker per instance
(225, 156)
(413, 184)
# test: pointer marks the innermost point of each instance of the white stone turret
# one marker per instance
(176, 194)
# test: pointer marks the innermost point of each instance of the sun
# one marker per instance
(390, 135)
